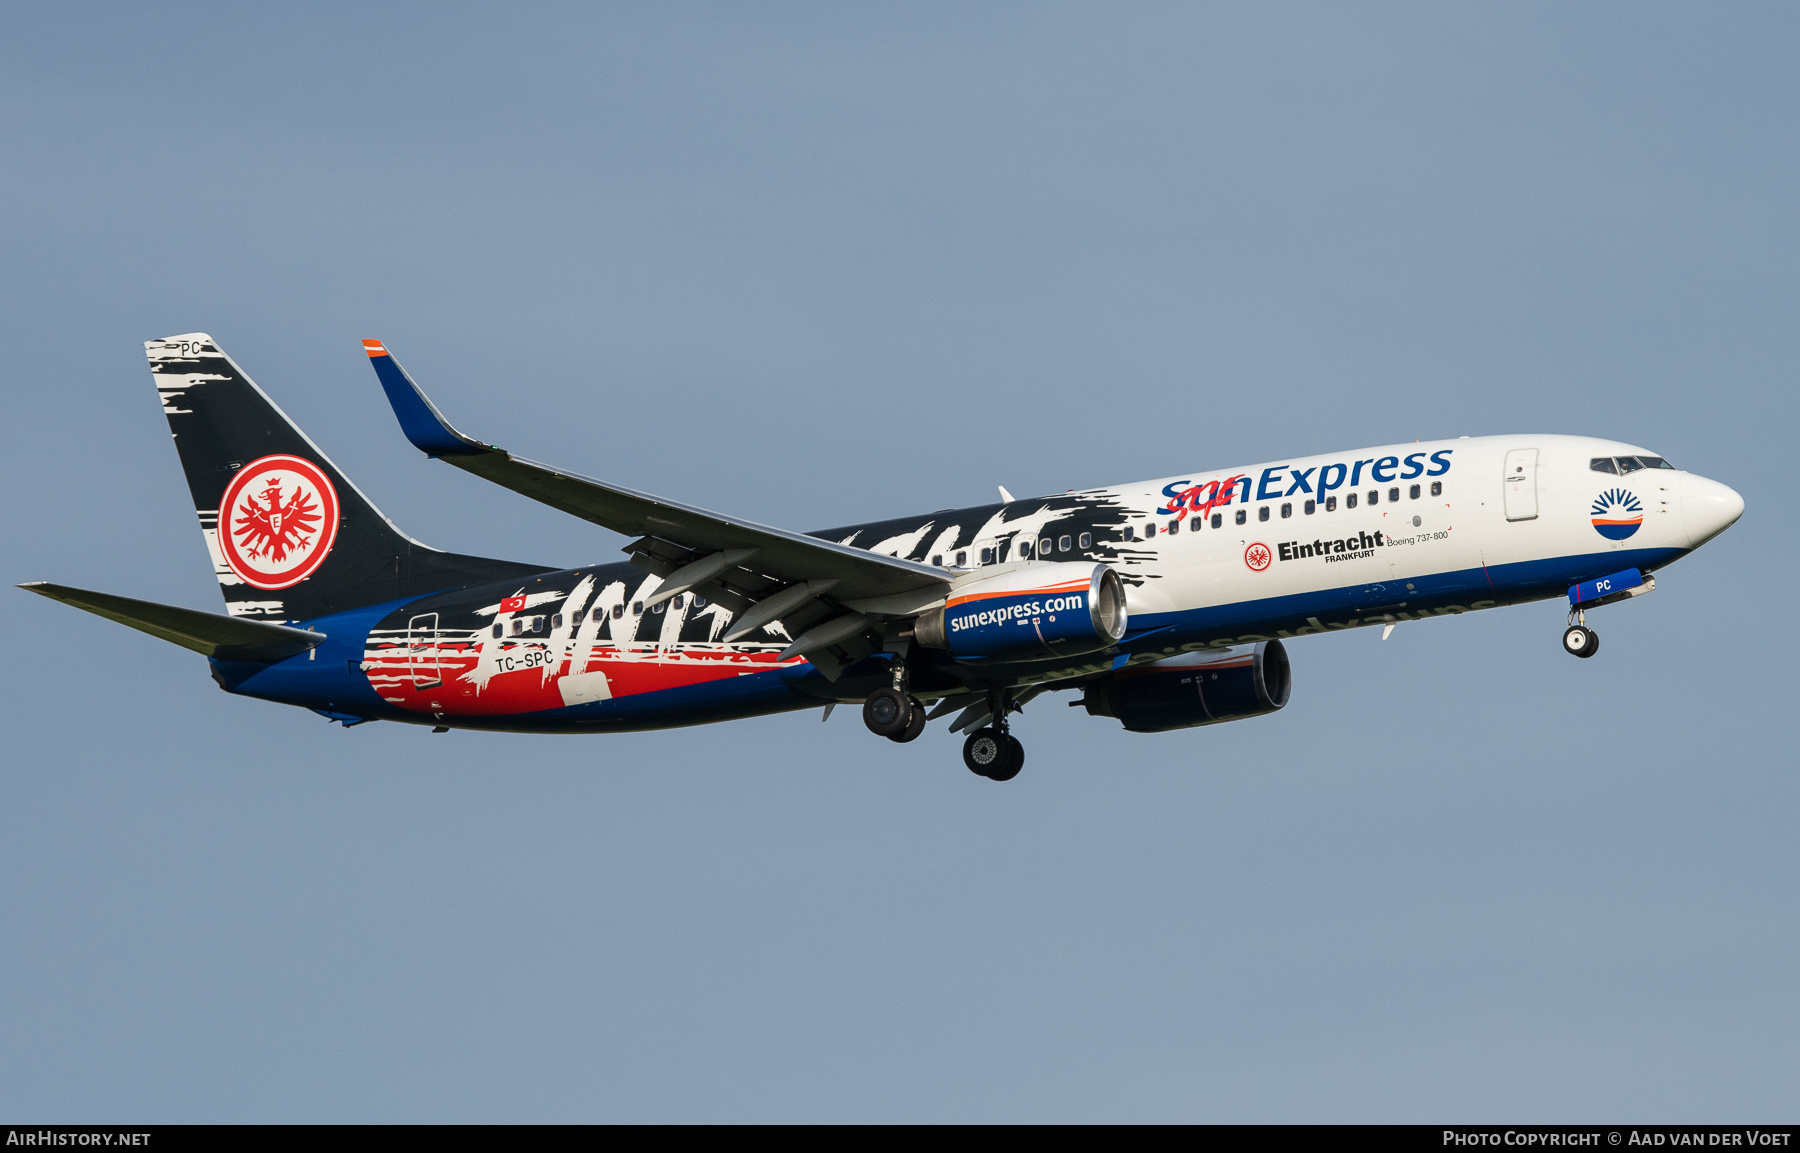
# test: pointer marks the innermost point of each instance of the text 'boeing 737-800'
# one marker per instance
(1165, 604)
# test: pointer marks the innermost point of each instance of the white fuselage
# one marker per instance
(1395, 532)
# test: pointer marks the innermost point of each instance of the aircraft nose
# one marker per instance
(1708, 508)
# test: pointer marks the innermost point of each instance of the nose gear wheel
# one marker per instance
(1581, 641)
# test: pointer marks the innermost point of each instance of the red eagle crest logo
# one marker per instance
(277, 521)
(1257, 556)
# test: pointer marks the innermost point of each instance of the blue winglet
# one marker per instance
(419, 418)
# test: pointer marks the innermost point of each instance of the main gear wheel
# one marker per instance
(889, 712)
(993, 753)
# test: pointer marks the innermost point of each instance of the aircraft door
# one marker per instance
(1521, 484)
(422, 650)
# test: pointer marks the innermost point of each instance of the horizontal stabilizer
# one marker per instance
(213, 635)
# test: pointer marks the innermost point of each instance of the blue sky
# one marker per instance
(814, 264)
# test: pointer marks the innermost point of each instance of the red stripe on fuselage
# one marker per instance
(395, 673)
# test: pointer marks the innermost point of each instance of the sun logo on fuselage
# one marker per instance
(1616, 514)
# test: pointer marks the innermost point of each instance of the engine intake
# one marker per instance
(1045, 610)
(1194, 689)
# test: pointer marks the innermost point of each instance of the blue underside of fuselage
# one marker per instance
(329, 679)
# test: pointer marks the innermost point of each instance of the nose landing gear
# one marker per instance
(1578, 639)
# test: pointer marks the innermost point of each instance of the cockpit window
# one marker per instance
(1630, 464)
(1602, 464)
(1655, 462)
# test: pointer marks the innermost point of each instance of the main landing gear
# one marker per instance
(990, 751)
(994, 753)
(1578, 639)
(895, 714)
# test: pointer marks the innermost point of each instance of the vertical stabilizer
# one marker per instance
(290, 537)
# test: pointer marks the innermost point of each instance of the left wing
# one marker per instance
(790, 576)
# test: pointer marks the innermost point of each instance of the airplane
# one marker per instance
(1164, 604)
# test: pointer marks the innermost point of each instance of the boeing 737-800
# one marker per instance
(1165, 604)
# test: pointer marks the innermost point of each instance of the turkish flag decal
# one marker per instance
(513, 605)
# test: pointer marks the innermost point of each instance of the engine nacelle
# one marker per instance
(1195, 689)
(1040, 610)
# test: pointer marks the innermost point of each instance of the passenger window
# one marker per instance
(1413, 492)
(1350, 500)
(1262, 513)
(618, 610)
(1063, 544)
(1218, 519)
(1087, 540)
(937, 558)
(1393, 494)
(1043, 547)
(1602, 464)
(1310, 506)
(1127, 533)
(699, 603)
(1149, 531)
(1331, 504)
(637, 608)
(498, 630)
(1243, 515)
(1025, 550)
(987, 556)
(1437, 488)
(518, 626)
(677, 602)
(660, 606)
(537, 624)
(1174, 526)
(1374, 496)
(1287, 510)
(556, 621)
(962, 559)
(1630, 464)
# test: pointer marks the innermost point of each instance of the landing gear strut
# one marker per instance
(1578, 639)
(992, 751)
